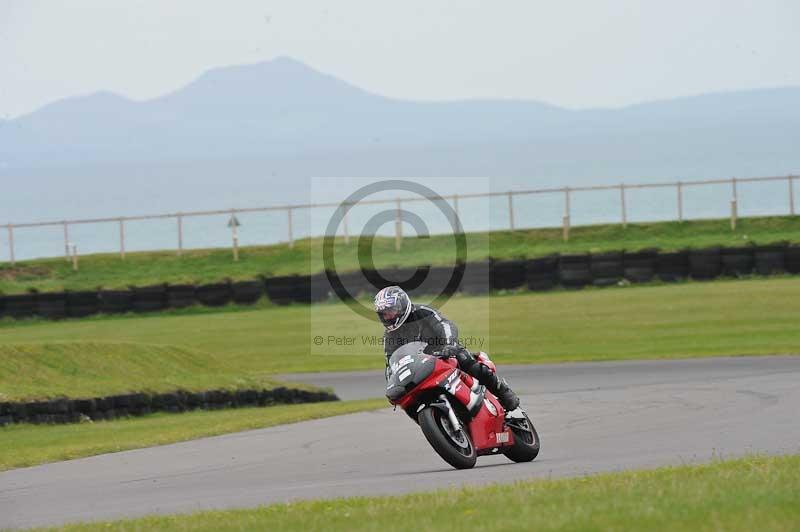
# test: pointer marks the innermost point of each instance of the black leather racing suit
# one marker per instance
(425, 324)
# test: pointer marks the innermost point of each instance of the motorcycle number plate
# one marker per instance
(502, 437)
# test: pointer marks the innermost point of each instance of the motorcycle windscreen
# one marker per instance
(409, 366)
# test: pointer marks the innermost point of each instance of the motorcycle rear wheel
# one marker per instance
(455, 448)
(526, 442)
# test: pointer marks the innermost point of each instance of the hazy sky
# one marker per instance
(575, 54)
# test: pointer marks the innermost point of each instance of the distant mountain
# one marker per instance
(284, 109)
(253, 135)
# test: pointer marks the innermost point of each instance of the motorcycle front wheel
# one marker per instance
(454, 446)
(526, 441)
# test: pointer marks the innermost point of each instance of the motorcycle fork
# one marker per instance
(445, 406)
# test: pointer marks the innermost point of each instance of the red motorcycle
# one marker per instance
(459, 417)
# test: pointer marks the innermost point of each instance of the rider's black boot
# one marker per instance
(485, 376)
(505, 395)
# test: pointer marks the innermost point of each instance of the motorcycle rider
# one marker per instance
(406, 322)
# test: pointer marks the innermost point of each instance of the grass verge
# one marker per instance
(742, 317)
(754, 493)
(26, 445)
(41, 370)
(208, 265)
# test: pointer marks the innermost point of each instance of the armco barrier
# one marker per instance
(737, 262)
(705, 264)
(639, 266)
(541, 273)
(506, 274)
(606, 268)
(769, 260)
(574, 271)
(136, 404)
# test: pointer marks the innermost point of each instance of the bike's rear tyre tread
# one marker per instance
(441, 444)
(522, 451)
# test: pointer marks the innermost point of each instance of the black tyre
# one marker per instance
(526, 441)
(455, 448)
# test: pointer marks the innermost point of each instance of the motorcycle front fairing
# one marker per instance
(409, 366)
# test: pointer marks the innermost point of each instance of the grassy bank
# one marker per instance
(26, 445)
(109, 271)
(747, 494)
(77, 368)
(742, 317)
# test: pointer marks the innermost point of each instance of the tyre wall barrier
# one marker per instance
(214, 294)
(115, 301)
(137, 404)
(21, 306)
(673, 266)
(506, 274)
(769, 260)
(640, 266)
(737, 261)
(791, 259)
(574, 271)
(80, 304)
(52, 305)
(181, 295)
(247, 292)
(286, 289)
(544, 273)
(606, 268)
(476, 278)
(541, 273)
(705, 264)
(149, 298)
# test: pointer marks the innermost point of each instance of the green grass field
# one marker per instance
(30, 371)
(755, 493)
(109, 271)
(26, 445)
(742, 317)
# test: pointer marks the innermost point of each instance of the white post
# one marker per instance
(291, 234)
(511, 211)
(566, 219)
(122, 238)
(11, 244)
(74, 257)
(180, 234)
(622, 203)
(235, 237)
(66, 241)
(680, 201)
(344, 223)
(791, 196)
(398, 226)
(734, 214)
(455, 208)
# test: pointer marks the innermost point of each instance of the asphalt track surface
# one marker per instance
(592, 417)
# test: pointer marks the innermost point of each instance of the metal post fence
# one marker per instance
(66, 241)
(513, 222)
(622, 204)
(398, 226)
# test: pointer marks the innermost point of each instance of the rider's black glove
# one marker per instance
(451, 351)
